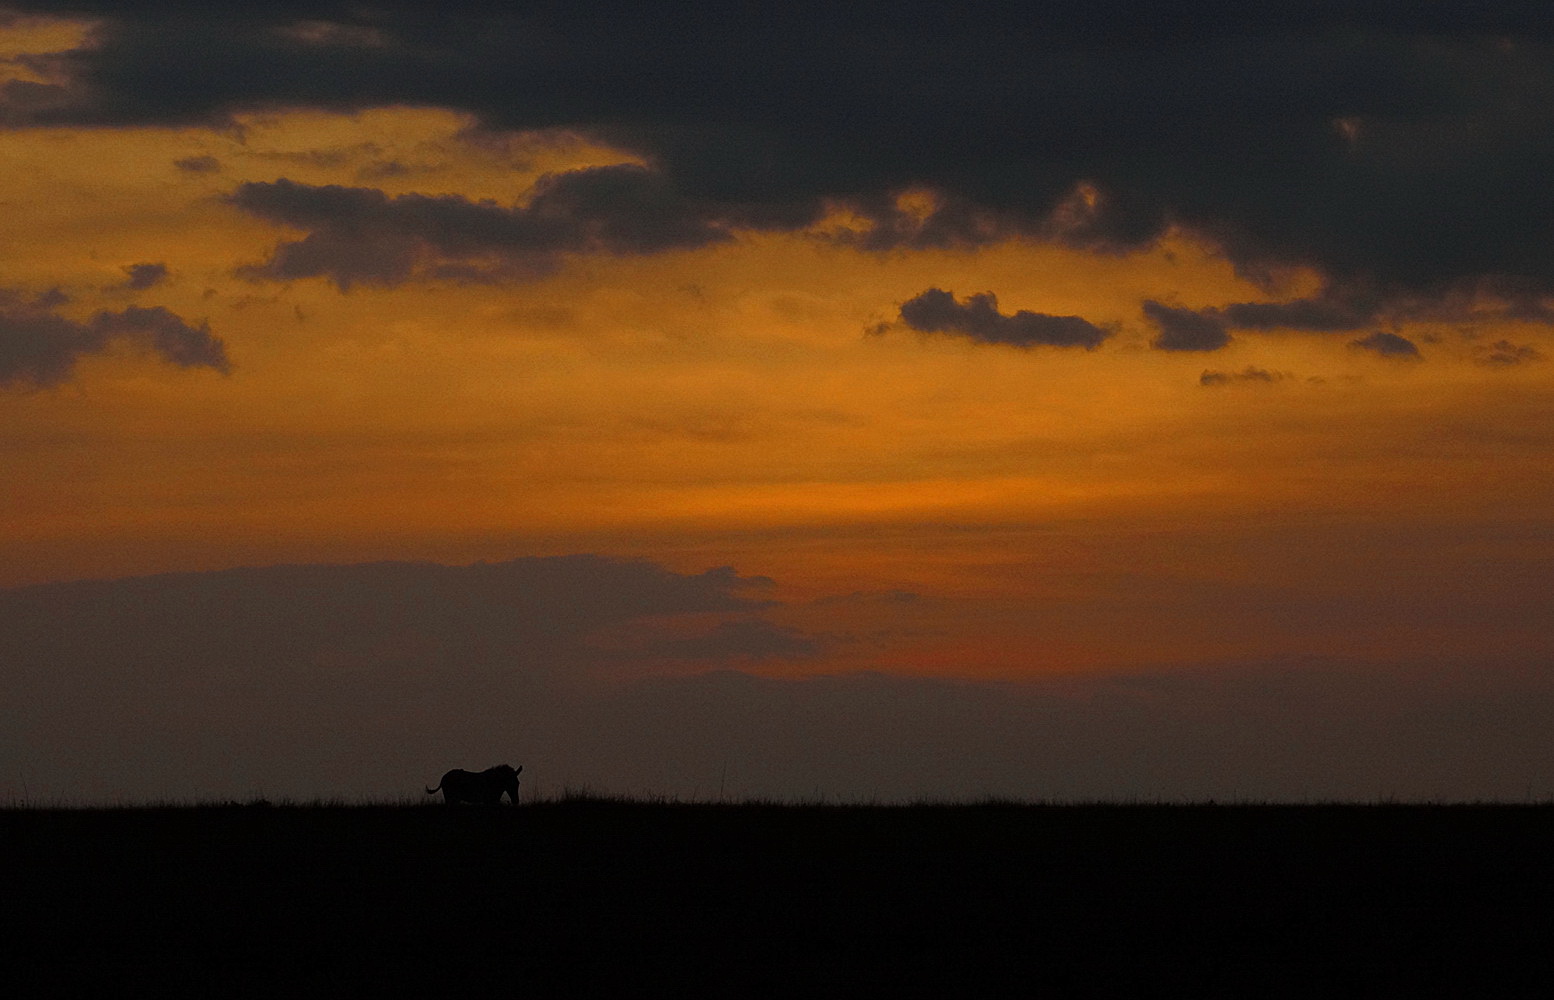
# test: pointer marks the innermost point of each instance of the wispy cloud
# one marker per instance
(1256, 376)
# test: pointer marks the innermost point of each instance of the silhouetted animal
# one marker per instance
(483, 789)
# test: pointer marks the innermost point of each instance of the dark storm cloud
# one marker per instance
(40, 348)
(143, 276)
(1388, 345)
(361, 235)
(978, 319)
(1184, 329)
(1395, 143)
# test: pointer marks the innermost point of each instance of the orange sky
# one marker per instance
(1168, 407)
(1052, 508)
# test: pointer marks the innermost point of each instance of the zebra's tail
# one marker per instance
(434, 791)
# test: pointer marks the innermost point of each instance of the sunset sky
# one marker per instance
(1083, 401)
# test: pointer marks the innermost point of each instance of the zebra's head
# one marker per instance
(510, 780)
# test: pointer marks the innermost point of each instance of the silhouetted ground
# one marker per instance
(635, 899)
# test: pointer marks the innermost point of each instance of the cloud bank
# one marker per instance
(370, 680)
(1355, 139)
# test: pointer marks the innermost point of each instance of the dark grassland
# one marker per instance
(621, 899)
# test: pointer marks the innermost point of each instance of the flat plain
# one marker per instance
(590, 897)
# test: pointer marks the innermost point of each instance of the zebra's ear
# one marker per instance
(520, 769)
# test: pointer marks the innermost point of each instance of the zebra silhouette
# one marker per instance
(485, 788)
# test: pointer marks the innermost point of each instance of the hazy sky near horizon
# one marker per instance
(1092, 401)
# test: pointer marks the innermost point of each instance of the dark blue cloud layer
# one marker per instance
(1379, 142)
(370, 680)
